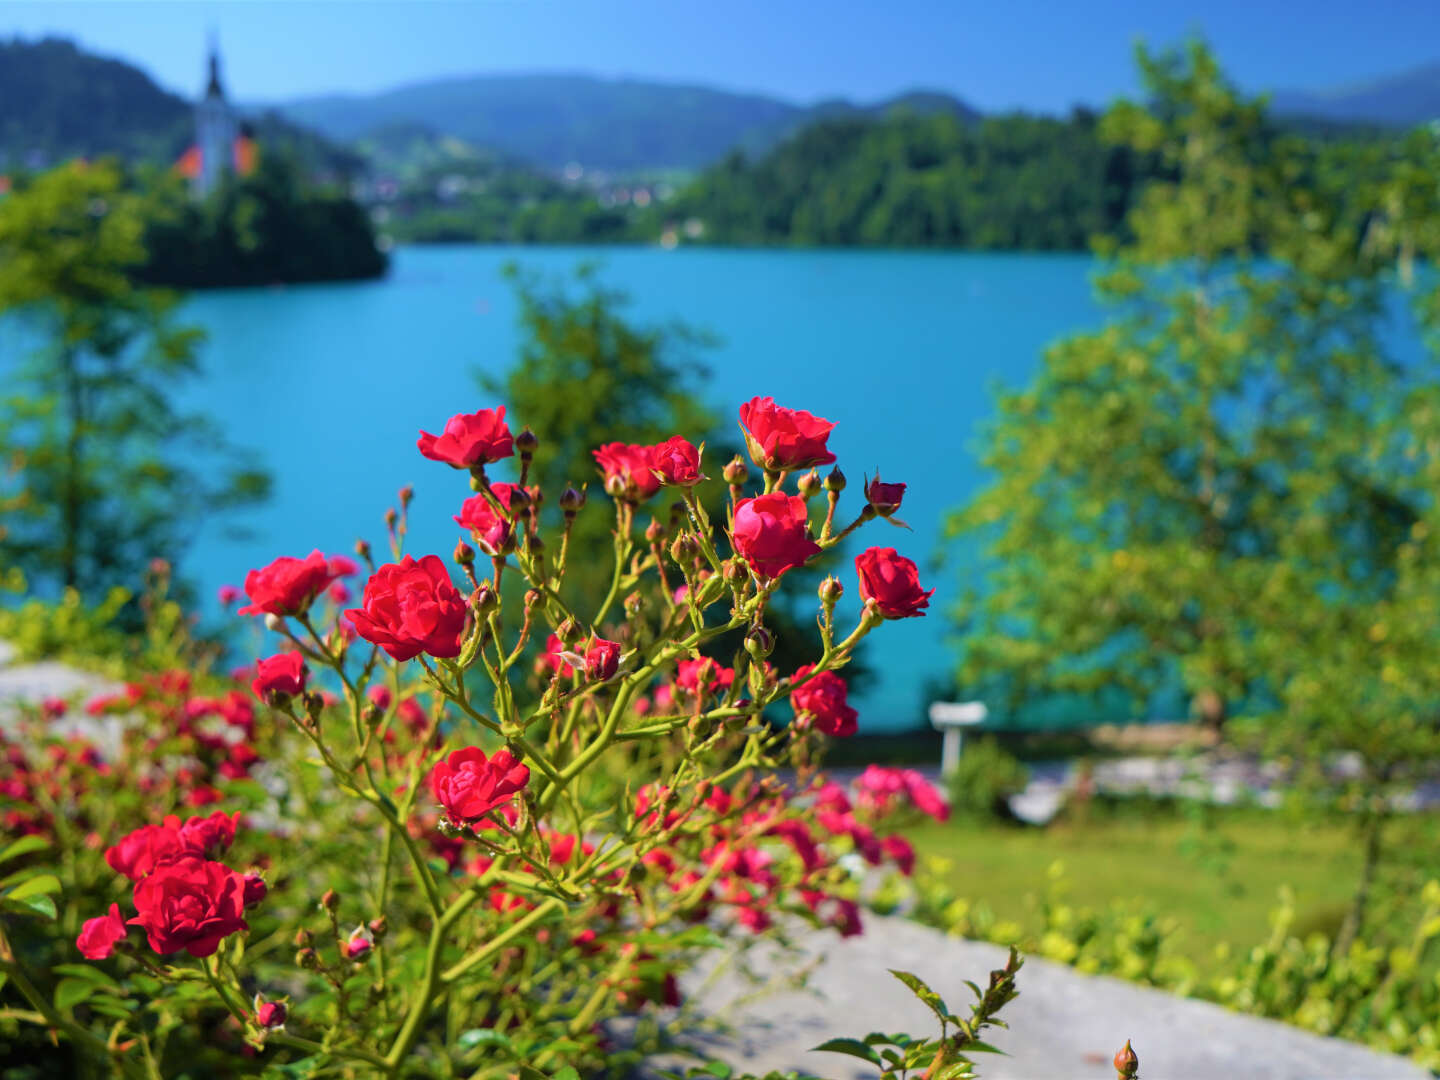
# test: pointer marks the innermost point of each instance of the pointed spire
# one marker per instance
(213, 88)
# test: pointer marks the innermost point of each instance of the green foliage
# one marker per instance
(924, 180)
(260, 229)
(1228, 488)
(985, 778)
(68, 629)
(106, 474)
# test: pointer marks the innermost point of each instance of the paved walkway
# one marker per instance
(1063, 1025)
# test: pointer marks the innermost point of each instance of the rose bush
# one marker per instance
(467, 826)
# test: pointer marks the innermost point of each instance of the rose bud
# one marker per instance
(572, 500)
(464, 553)
(780, 439)
(362, 549)
(407, 493)
(684, 549)
(1126, 1063)
(885, 498)
(359, 943)
(470, 440)
(255, 889)
(602, 659)
(379, 927)
(526, 441)
(891, 583)
(308, 958)
(831, 590)
(835, 481)
(677, 462)
(280, 677)
(99, 936)
(809, 484)
(654, 531)
(330, 900)
(759, 642)
(735, 472)
(269, 1015)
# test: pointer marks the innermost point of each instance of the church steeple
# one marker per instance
(213, 88)
(215, 129)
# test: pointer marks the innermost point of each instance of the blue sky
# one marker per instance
(1014, 53)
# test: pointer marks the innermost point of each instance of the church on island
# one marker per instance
(222, 144)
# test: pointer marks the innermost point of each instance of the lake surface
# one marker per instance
(331, 383)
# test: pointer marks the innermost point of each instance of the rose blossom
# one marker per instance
(470, 440)
(602, 659)
(629, 471)
(283, 673)
(99, 936)
(702, 675)
(893, 582)
(191, 904)
(412, 607)
(287, 585)
(822, 697)
(210, 836)
(677, 462)
(227, 595)
(469, 785)
(488, 527)
(885, 498)
(142, 850)
(781, 439)
(770, 533)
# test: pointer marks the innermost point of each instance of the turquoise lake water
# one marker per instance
(903, 350)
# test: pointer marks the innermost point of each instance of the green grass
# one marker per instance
(1219, 881)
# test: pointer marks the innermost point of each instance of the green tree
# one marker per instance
(107, 473)
(1228, 487)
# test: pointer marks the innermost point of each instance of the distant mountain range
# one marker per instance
(615, 125)
(58, 101)
(1402, 101)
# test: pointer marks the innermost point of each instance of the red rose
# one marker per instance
(770, 533)
(899, 851)
(411, 607)
(469, 785)
(885, 498)
(283, 673)
(470, 439)
(822, 698)
(780, 439)
(893, 582)
(99, 935)
(677, 462)
(255, 889)
(210, 836)
(629, 471)
(287, 585)
(602, 659)
(489, 528)
(140, 852)
(191, 904)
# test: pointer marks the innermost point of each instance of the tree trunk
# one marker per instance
(1355, 917)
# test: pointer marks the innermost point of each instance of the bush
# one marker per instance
(985, 778)
(461, 832)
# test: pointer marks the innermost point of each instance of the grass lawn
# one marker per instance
(1219, 880)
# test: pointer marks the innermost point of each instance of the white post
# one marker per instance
(950, 750)
(952, 718)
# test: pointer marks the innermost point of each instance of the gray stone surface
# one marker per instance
(33, 683)
(1063, 1025)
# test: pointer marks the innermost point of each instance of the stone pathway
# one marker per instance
(1064, 1024)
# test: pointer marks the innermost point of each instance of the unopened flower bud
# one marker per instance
(809, 484)
(362, 549)
(359, 943)
(734, 571)
(654, 531)
(391, 517)
(736, 472)
(569, 632)
(519, 500)
(464, 553)
(831, 590)
(616, 486)
(684, 549)
(634, 604)
(407, 493)
(483, 600)
(304, 939)
(331, 900)
(571, 500)
(314, 705)
(255, 889)
(537, 497)
(759, 642)
(701, 726)
(835, 481)
(274, 623)
(526, 442)
(379, 927)
(308, 958)
(1126, 1063)
(533, 597)
(269, 1015)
